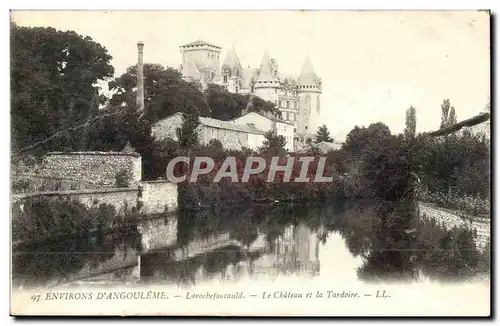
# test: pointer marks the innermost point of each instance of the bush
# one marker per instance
(448, 253)
(123, 179)
(42, 219)
(474, 205)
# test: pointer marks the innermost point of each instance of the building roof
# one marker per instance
(478, 119)
(284, 76)
(324, 147)
(191, 70)
(307, 74)
(265, 71)
(273, 118)
(263, 115)
(214, 123)
(220, 124)
(232, 61)
(199, 43)
(246, 76)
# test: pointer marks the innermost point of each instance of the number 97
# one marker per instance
(35, 297)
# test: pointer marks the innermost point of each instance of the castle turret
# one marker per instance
(200, 58)
(232, 71)
(309, 90)
(267, 84)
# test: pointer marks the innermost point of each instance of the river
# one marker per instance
(361, 241)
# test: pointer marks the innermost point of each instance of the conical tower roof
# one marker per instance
(190, 70)
(307, 74)
(232, 61)
(265, 73)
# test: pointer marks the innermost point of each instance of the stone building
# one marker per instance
(297, 97)
(267, 123)
(231, 135)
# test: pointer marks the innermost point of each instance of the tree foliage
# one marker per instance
(360, 138)
(54, 76)
(410, 123)
(448, 115)
(460, 164)
(323, 135)
(165, 92)
(225, 105)
(273, 143)
(187, 134)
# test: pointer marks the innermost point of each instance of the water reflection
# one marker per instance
(384, 241)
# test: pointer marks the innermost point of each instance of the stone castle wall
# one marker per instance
(91, 178)
(158, 196)
(122, 199)
(158, 233)
(154, 200)
(98, 168)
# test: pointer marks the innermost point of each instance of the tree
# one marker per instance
(411, 123)
(187, 134)
(263, 106)
(452, 119)
(323, 135)
(386, 166)
(359, 139)
(54, 77)
(273, 143)
(226, 106)
(448, 115)
(445, 109)
(165, 92)
(223, 104)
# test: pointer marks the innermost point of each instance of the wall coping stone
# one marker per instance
(76, 192)
(156, 181)
(94, 154)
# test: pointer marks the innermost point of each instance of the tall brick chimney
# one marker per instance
(140, 77)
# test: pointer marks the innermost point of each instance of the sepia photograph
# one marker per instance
(250, 163)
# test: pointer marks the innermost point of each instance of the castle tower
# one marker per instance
(267, 84)
(309, 90)
(200, 58)
(232, 71)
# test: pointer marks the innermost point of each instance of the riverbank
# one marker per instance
(39, 221)
(453, 218)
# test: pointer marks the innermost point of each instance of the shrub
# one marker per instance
(474, 205)
(42, 219)
(123, 179)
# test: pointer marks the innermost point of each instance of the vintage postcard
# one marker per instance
(250, 163)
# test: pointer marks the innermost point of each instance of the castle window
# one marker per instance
(317, 104)
(294, 105)
(225, 78)
(287, 104)
(279, 103)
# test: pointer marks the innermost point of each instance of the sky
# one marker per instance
(373, 64)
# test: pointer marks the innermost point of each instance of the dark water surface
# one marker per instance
(363, 240)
